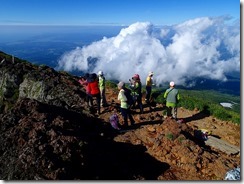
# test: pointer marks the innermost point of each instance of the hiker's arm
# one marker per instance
(166, 93)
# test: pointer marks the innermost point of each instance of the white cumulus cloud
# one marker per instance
(202, 47)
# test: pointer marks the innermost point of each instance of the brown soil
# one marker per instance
(174, 143)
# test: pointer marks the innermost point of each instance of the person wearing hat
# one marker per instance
(136, 87)
(172, 98)
(101, 80)
(124, 106)
(93, 90)
(149, 83)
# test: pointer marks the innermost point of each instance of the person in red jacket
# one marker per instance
(93, 89)
(84, 82)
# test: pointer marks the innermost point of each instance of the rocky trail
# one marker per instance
(174, 143)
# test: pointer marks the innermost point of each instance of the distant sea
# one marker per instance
(46, 44)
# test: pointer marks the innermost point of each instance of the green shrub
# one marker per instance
(110, 84)
(170, 136)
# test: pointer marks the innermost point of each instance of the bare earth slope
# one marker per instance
(174, 143)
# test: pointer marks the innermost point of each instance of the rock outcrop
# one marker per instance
(21, 80)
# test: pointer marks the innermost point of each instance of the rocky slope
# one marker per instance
(47, 133)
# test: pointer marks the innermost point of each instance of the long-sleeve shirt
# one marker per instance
(123, 99)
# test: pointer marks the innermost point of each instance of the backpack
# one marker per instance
(130, 99)
(114, 121)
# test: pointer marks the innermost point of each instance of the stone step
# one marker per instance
(222, 145)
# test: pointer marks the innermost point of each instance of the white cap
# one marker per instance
(121, 84)
(150, 73)
(100, 73)
(172, 83)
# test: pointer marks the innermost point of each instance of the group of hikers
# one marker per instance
(95, 88)
(128, 97)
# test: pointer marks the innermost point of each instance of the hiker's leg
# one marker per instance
(133, 106)
(148, 93)
(169, 110)
(125, 116)
(87, 100)
(90, 100)
(98, 99)
(132, 121)
(175, 113)
(104, 97)
(101, 94)
(139, 101)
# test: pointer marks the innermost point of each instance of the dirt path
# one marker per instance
(224, 130)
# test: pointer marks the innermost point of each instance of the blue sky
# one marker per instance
(112, 12)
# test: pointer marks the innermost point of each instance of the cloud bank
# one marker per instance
(202, 47)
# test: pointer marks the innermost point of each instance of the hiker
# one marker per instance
(102, 88)
(149, 84)
(84, 82)
(124, 107)
(136, 90)
(172, 98)
(93, 89)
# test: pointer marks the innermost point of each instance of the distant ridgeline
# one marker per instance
(231, 86)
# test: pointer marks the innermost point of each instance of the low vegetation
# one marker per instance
(207, 101)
